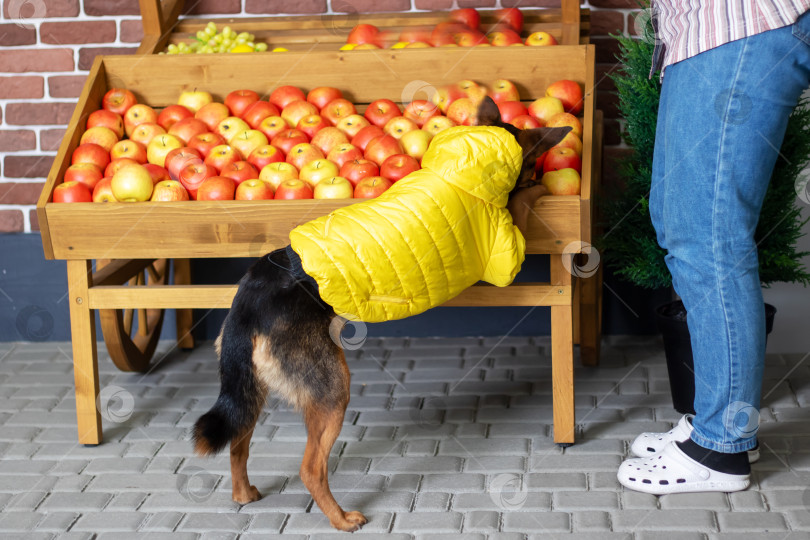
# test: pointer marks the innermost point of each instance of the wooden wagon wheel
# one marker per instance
(130, 347)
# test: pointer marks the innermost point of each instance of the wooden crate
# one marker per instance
(130, 234)
(569, 24)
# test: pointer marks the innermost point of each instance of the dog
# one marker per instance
(276, 338)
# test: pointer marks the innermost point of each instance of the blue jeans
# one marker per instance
(721, 121)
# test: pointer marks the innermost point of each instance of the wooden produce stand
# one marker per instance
(134, 244)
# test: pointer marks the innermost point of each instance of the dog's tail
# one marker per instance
(241, 396)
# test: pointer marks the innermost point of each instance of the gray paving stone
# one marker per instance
(281, 502)
(465, 536)
(669, 535)
(495, 464)
(316, 522)
(455, 483)
(204, 522)
(25, 502)
(432, 502)
(576, 463)
(481, 521)
(57, 522)
(799, 519)
(537, 522)
(337, 483)
(551, 481)
(795, 535)
(80, 502)
(126, 502)
(405, 482)
(425, 447)
(109, 521)
(675, 520)
(428, 522)
(484, 447)
(506, 501)
(162, 522)
(590, 520)
(709, 501)
(424, 465)
(634, 500)
(589, 500)
(746, 521)
(20, 521)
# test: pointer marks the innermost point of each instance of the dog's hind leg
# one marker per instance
(242, 491)
(323, 427)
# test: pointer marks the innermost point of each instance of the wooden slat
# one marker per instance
(562, 357)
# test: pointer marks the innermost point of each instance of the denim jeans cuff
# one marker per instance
(734, 448)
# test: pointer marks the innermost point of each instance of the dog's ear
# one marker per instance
(488, 113)
(536, 141)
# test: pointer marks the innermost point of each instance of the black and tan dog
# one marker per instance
(276, 338)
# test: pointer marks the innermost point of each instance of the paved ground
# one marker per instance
(444, 439)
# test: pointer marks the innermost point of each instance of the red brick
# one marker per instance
(33, 219)
(603, 82)
(613, 131)
(204, 7)
(88, 54)
(31, 8)
(20, 192)
(26, 87)
(476, 3)
(607, 49)
(13, 34)
(530, 3)
(59, 33)
(66, 86)
(111, 7)
(615, 4)
(131, 31)
(28, 166)
(285, 6)
(605, 22)
(50, 139)
(608, 103)
(17, 140)
(11, 221)
(24, 60)
(32, 114)
(370, 6)
(433, 5)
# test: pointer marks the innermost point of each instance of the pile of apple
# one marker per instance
(461, 29)
(294, 145)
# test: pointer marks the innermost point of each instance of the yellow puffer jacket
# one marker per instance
(427, 238)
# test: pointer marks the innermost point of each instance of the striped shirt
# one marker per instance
(684, 28)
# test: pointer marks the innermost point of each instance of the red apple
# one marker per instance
(91, 153)
(132, 183)
(118, 100)
(169, 190)
(69, 192)
(472, 90)
(511, 16)
(193, 174)
(561, 157)
(467, 16)
(100, 135)
(540, 39)
(311, 124)
(239, 171)
(566, 119)
(187, 128)
(504, 37)
(369, 188)
(206, 142)
(173, 114)
(144, 133)
(321, 96)
(179, 158)
(108, 119)
(293, 189)
(158, 173)
(216, 188)
(504, 90)
(379, 112)
(129, 149)
(342, 153)
(359, 169)
(288, 138)
(276, 173)
(420, 111)
(273, 126)
(139, 114)
(222, 155)
(103, 191)
(337, 109)
(571, 141)
(545, 107)
(398, 166)
(296, 110)
(511, 109)
(257, 112)
(446, 95)
(212, 114)
(301, 154)
(363, 33)
(284, 95)
(116, 164)
(239, 100)
(229, 127)
(569, 93)
(462, 111)
(525, 121)
(352, 124)
(470, 38)
(415, 34)
(443, 32)
(365, 135)
(86, 173)
(379, 149)
(264, 155)
(253, 190)
(399, 126)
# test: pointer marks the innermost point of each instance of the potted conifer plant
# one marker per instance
(629, 245)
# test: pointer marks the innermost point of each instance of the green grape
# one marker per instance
(172, 48)
(240, 41)
(251, 44)
(242, 35)
(218, 38)
(211, 25)
(261, 47)
(227, 42)
(226, 31)
(201, 35)
(251, 37)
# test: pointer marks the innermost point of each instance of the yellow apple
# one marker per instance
(160, 146)
(562, 182)
(193, 100)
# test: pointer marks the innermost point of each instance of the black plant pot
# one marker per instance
(671, 319)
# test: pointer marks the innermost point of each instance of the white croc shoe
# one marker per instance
(648, 444)
(672, 471)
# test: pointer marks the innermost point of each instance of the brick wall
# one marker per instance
(47, 47)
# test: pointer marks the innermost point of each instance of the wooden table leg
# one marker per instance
(85, 357)
(562, 357)
(183, 317)
(591, 319)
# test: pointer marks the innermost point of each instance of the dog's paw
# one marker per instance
(352, 522)
(247, 496)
